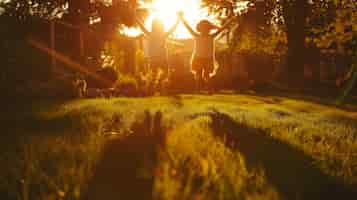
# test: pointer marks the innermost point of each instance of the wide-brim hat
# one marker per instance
(205, 25)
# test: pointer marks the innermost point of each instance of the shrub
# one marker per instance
(126, 85)
(108, 76)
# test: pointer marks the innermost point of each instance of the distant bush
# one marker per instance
(127, 85)
(107, 78)
(62, 87)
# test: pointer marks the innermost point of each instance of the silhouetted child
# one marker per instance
(157, 49)
(203, 63)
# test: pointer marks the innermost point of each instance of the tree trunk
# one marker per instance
(295, 17)
(130, 56)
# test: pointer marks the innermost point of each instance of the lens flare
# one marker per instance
(166, 10)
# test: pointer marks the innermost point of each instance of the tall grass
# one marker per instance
(199, 166)
(51, 150)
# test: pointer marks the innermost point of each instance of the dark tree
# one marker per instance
(294, 14)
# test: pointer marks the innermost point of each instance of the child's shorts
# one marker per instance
(199, 64)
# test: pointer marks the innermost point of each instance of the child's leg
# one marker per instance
(198, 65)
(166, 71)
(154, 75)
(207, 70)
(205, 79)
(157, 73)
(199, 79)
(206, 75)
(163, 76)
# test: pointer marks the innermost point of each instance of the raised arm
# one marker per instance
(228, 23)
(142, 26)
(173, 28)
(188, 27)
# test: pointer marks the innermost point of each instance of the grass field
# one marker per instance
(223, 146)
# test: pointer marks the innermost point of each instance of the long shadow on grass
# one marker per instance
(126, 169)
(289, 169)
(308, 98)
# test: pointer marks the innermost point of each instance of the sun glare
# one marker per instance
(166, 10)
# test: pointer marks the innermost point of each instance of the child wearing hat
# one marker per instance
(203, 63)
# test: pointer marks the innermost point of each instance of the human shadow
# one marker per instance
(126, 168)
(289, 169)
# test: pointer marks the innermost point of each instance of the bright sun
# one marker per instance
(166, 10)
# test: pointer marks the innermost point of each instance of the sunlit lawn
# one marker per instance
(222, 146)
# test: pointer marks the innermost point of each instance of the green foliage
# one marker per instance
(122, 12)
(352, 82)
(272, 45)
(113, 56)
(303, 33)
(127, 85)
(330, 24)
(23, 9)
(332, 27)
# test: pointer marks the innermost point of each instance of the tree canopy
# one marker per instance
(326, 25)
